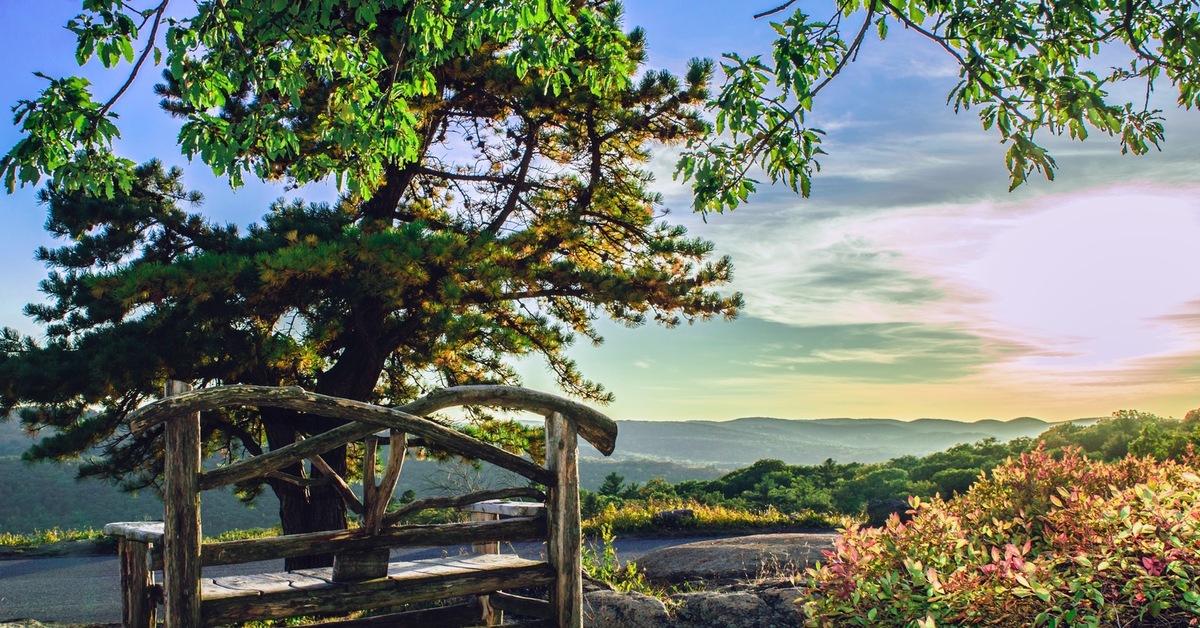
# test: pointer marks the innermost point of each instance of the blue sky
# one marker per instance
(911, 284)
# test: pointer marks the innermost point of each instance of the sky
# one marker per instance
(910, 284)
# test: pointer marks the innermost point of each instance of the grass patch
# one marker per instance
(637, 517)
(241, 535)
(43, 537)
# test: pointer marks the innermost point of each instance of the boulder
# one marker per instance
(739, 558)
(712, 609)
(786, 600)
(624, 610)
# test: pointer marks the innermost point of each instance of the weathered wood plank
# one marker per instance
(594, 426)
(460, 501)
(250, 550)
(312, 591)
(272, 600)
(352, 502)
(139, 595)
(382, 494)
(368, 417)
(297, 451)
(181, 525)
(143, 531)
(360, 565)
(150, 532)
(489, 547)
(453, 564)
(562, 505)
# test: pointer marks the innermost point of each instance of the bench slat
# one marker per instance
(250, 550)
(274, 596)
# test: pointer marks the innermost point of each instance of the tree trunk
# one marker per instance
(353, 376)
(312, 509)
(320, 508)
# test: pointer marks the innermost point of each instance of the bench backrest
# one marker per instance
(183, 554)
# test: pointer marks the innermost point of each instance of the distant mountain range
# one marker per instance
(673, 450)
(739, 442)
(736, 443)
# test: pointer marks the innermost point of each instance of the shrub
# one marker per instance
(600, 562)
(1042, 541)
(53, 535)
(638, 517)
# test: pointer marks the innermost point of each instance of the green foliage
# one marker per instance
(600, 563)
(243, 534)
(771, 490)
(636, 516)
(307, 90)
(1044, 541)
(1028, 69)
(1128, 432)
(613, 484)
(89, 503)
(496, 205)
(51, 535)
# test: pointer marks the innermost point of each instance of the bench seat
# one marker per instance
(312, 591)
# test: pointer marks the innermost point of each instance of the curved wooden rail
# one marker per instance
(593, 426)
(361, 554)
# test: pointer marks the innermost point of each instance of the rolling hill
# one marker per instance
(806, 441)
(47, 495)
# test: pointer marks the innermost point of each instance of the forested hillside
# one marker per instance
(833, 487)
(44, 495)
(807, 441)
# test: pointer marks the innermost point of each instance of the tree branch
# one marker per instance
(941, 41)
(522, 178)
(457, 176)
(851, 52)
(775, 10)
(137, 66)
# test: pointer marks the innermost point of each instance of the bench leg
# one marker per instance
(490, 615)
(139, 608)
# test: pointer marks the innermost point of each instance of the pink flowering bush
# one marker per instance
(1042, 541)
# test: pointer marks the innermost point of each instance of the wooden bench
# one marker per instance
(360, 579)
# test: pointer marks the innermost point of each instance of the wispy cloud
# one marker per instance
(1077, 281)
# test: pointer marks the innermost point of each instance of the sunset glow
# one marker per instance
(911, 284)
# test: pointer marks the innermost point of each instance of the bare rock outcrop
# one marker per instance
(771, 605)
(749, 582)
(734, 609)
(625, 610)
(739, 558)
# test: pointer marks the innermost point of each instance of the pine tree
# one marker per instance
(495, 205)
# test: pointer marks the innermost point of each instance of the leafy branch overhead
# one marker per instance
(344, 89)
(496, 206)
(1028, 67)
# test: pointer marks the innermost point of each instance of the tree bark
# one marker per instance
(304, 509)
(354, 376)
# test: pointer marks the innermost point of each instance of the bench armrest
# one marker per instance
(142, 531)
